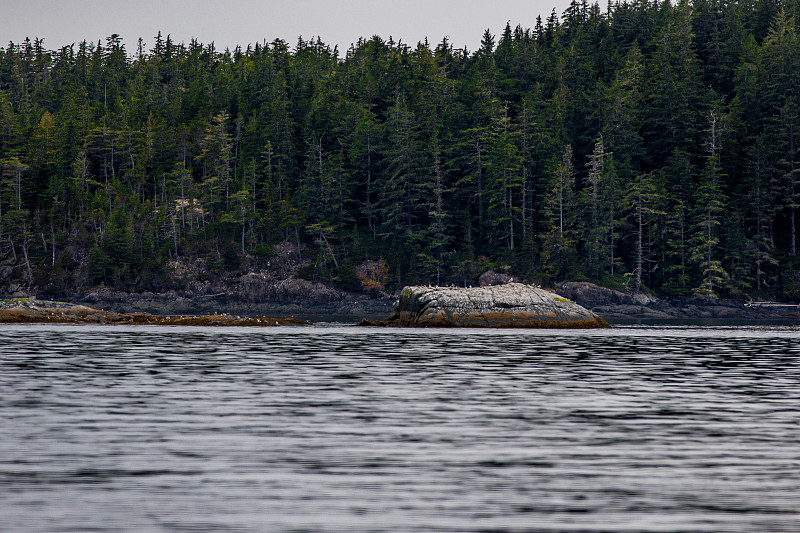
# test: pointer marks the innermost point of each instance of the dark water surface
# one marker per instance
(333, 428)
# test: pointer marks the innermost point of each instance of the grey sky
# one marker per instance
(232, 22)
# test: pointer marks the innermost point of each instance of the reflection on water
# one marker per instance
(333, 428)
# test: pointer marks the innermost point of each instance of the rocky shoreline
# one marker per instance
(32, 311)
(312, 302)
(315, 302)
(618, 306)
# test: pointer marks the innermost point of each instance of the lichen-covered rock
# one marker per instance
(513, 305)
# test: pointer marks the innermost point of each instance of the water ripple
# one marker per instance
(333, 428)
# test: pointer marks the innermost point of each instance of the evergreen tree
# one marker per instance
(440, 161)
(558, 252)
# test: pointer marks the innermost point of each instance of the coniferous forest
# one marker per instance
(643, 145)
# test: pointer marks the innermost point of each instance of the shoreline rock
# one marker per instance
(616, 305)
(308, 301)
(30, 311)
(336, 303)
(513, 305)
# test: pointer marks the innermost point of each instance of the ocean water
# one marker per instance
(338, 428)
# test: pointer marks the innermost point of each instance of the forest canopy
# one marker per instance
(645, 146)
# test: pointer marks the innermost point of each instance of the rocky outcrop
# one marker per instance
(30, 310)
(251, 294)
(615, 305)
(490, 277)
(513, 305)
(269, 285)
(591, 295)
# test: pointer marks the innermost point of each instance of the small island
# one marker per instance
(30, 310)
(513, 305)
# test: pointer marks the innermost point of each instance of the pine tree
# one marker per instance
(599, 200)
(558, 247)
(679, 175)
(505, 179)
(642, 198)
(215, 156)
(707, 215)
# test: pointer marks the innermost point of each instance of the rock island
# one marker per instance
(514, 305)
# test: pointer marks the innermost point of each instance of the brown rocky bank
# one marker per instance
(30, 310)
(514, 305)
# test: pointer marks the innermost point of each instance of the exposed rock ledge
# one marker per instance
(30, 310)
(513, 305)
(615, 305)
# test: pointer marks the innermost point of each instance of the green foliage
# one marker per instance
(656, 140)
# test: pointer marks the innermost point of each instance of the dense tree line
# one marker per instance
(648, 146)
